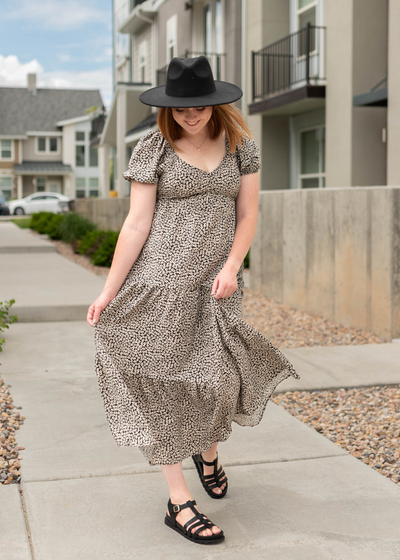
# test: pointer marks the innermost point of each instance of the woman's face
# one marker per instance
(194, 119)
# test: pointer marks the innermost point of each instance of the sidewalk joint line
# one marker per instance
(187, 468)
(27, 527)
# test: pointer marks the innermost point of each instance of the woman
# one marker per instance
(175, 361)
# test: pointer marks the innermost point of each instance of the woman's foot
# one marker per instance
(186, 514)
(210, 456)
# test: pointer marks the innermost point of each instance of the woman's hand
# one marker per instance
(225, 283)
(97, 307)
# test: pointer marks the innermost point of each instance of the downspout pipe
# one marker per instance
(139, 15)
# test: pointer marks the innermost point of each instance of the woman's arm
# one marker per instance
(246, 224)
(131, 239)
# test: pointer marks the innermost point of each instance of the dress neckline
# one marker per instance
(198, 168)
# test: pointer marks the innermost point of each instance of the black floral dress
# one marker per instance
(174, 365)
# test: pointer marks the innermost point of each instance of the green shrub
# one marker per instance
(53, 226)
(90, 242)
(80, 232)
(40, 221)
(47, 222)
(74, 227)
(104, 253)
(5, 318)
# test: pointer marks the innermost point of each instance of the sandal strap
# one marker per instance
(174, 509)
(220, 474)
(200, 521)
(207, 463)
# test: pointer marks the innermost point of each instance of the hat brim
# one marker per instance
(224, 93)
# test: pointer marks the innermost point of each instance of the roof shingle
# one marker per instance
(54, 167)
(22, 110)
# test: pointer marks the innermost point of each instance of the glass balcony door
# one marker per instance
(312, 158)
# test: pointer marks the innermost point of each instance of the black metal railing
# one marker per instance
(299, 57)
(216, 60)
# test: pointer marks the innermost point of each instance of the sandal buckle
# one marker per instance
(176, 509)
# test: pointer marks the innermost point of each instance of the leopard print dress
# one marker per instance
(175, 366)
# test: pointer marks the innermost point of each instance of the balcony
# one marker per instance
(216, 60)
(289, 71)
(141, 13)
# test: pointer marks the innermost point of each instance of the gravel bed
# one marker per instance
(10, 421)
(365, 422)
(287, 327)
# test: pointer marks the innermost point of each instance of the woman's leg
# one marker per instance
(210, 456)
(179, 494)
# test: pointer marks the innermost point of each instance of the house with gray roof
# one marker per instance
(45, 139)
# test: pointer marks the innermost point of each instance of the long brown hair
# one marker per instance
(224, 117)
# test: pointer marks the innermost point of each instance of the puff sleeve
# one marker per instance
(248, 155)
(143, 165)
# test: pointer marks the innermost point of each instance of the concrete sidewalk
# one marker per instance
(16, 240)
(294, 495)
(45, 285)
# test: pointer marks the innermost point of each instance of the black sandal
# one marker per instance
(201, 522)
(206, 480)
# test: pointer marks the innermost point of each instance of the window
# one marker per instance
(312, 158)
(40, 184)
(207, 28)
(172, 49)
(93, 157)
(53, 144)
(306, 14)
(7, 149)
(80, 147)
(80, 187)
(212, 40)
(46, 145)
(79, 155)
(6, 186)
(142, 61)
(93, 187)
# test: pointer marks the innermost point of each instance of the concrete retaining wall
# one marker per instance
(332, 252)
(106, 213)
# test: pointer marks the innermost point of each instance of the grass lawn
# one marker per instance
(22, 222)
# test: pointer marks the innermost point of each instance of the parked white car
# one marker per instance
(40, 202)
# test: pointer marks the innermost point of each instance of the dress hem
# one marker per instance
(250, 421)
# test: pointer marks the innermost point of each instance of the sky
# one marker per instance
(67, 43)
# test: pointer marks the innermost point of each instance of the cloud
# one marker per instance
(56, 14)
(14, 73)
(93, 79)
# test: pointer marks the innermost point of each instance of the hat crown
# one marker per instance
(189, 77)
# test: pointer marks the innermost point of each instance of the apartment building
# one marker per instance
(321, 81)
(45, 139)
(147, 35)
(323, 85)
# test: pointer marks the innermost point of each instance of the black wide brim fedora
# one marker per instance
(190, 83)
